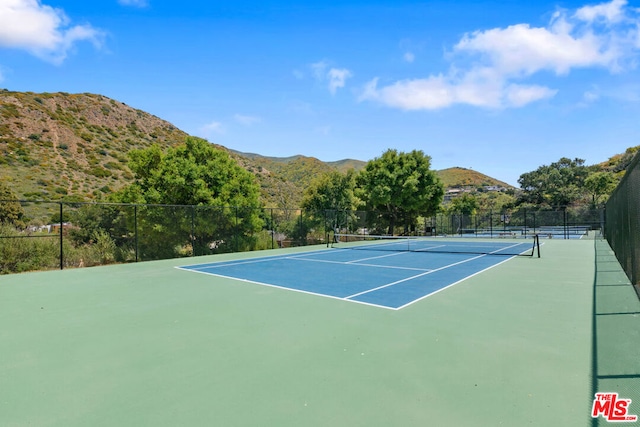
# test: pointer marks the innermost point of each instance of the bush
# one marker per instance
(101, 250)
(20, 252)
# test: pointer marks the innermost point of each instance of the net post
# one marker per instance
(536, 242)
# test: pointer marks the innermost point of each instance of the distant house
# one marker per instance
(54, 228)
(494, 188)
(39, 228)
(50, 228)
(452, 193)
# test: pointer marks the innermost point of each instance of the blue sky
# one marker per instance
(501, 87)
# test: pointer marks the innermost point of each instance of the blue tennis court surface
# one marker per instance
(391, 280)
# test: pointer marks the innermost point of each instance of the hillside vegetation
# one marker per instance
(75, 147)
(619, 162)
(55, 145)
(461, 177)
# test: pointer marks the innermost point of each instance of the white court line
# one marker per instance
(349, 298)
(364, 265)
(217, 264)
(302, 291)
(413, 277)
(430, 247)
(374, 257)
(452, 284)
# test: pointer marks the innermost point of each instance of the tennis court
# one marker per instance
(519, 341)
(384, 272)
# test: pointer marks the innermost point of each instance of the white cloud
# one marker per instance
(520, 50)
(134, 3)
(42, 30)
(246, 120)
(438, 92)
(420, 94)
(609, 12)
(337, 78)
(520, 95)
(334, 77)
(502, 59)
(212, 128)
(409, 57)
(591, 96)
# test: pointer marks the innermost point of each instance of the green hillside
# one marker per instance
(55, 145)
(619, 162)
(461, 177)
(74, 146)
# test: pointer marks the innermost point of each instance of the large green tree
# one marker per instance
(401, 185)
(467, 204)
(218, 200)
(599, 185)
(330, 199)
(193, 173)
(559, 184)
(331, 190)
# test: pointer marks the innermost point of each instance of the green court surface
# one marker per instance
(527, 342)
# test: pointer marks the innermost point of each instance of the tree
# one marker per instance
(11, 211)
(466, 204)
(217, 201)
(402, 186)
(559, 184)
(599, 184)
(193, 173)
(495, 201)
(332, 191)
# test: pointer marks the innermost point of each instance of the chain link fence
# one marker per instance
(563, 223)
(47, 235)
(623, 222)
(41, 235)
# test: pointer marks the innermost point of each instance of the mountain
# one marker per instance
(461, 178)
(58, 144)
(74, 146)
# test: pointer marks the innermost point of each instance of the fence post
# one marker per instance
(236, 230)
(491, 223)
(326, 230)
(135, 227)
(61, 240)
(193, 235)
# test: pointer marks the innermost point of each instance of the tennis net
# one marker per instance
(437, 244)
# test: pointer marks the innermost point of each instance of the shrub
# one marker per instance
(20, 253)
